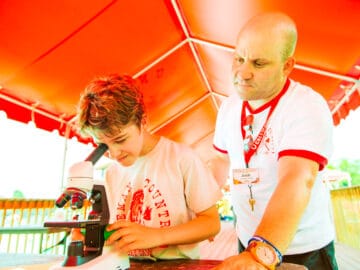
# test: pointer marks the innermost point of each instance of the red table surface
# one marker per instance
(174, 264)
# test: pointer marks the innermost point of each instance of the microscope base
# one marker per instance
(109, 260)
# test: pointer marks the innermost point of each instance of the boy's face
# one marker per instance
(126, 146)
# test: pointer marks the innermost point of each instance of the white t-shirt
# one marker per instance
(300, 125)
(164, 188)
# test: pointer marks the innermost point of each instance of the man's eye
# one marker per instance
(239, 60)
(259, 64)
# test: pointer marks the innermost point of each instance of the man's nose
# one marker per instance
(243, 71)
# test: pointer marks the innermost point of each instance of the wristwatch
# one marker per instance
(264, 254)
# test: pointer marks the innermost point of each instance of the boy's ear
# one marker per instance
(143, 122)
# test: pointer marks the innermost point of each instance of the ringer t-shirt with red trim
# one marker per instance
(300, 125)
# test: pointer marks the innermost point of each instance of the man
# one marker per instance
(274, 137)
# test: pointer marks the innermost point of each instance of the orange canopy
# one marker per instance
(180, 50)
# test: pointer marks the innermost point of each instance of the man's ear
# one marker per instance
(289, 65)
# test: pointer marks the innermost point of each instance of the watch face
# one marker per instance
(266, 254)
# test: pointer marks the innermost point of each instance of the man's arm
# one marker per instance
(287, 205)
(284, 211)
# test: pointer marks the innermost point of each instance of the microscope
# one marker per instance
(90, 253)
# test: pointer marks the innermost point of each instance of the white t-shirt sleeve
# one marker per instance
(200, 187)
(308, 129)
(226, 129)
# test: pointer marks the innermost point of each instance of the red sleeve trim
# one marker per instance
(306, 154)
(220, 150)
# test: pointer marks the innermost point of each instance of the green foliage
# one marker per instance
(350, 166)
(18, 194)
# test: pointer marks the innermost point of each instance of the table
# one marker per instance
(194, 264)
(43, 262)
(174, 264)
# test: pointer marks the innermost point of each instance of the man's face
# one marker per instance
(124, 147)
(258, 69)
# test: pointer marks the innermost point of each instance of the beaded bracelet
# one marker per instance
(261, 239)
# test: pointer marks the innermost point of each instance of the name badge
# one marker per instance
(245, 176)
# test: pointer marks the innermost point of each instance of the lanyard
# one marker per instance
(254, 146)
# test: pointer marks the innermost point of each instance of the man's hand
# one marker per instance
(243, 261)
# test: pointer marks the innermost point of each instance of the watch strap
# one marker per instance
(263, 240)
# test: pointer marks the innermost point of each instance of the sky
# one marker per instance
(347, 137)
(32, 160)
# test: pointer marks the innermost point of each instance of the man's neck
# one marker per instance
(255, 104)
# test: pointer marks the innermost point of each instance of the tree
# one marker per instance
(350, 166)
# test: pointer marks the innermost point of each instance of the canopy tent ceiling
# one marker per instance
(180, 51)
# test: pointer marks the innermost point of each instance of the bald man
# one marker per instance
(273, 137)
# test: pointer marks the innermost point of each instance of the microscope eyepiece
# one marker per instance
(97, 153)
